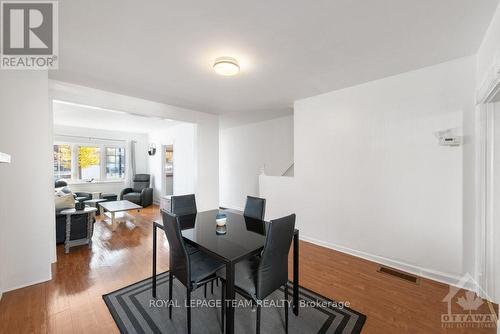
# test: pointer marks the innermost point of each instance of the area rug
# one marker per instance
(136, 311)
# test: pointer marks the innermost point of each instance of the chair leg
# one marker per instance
(188, 310)
(217, 282)
(286, 309)
(205, 290)
(257, 330)
(223, 308)
(212, 287)
(170, 283)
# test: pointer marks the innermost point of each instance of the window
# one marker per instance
(89, 162)
(62, 161)
(115, 162)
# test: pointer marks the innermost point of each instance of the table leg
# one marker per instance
(68, 234)
(90, 223)
(113, 222)
(154, 261)
(296, 273)
(229, 298)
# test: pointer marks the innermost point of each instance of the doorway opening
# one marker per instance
(168, 169)
(488, 195)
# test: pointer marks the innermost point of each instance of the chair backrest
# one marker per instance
(179, 259)
(184, 205)
(255, 207)
(140, 182)
(255, 225)
(273, 267)
(60, 183)
(187, 222)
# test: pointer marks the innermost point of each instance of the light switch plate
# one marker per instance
(4, 158)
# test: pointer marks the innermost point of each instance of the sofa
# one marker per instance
(140, 193)
(63, 185)
(78, 227)
(78, 222)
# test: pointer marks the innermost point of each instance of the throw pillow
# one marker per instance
(66, 201)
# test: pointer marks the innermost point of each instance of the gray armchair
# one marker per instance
(140, 193)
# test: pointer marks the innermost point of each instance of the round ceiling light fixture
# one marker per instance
(226, 66)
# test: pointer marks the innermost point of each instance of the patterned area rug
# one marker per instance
(136, 311)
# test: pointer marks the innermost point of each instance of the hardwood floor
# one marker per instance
(71, 302)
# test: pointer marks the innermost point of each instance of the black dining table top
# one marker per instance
(240, 236)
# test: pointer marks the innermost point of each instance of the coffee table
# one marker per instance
(117, 211)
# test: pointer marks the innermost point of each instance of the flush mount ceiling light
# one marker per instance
(226, 66)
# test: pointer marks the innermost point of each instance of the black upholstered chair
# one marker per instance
(79, 227)
(140, 193)
(81, 196)
(192, 270)
(255, 207)
(79, 223)
(259, 276)
(184, 205)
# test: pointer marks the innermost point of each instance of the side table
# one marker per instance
(95, 203)
(90, 212)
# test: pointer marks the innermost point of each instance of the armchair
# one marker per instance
(140, 193)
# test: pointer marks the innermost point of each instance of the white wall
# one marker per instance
(27, 225)
(469, 190)
(183, 138)
(281, 195)
(207, 130)
(370, 178)
(245, 149)
(141, 155)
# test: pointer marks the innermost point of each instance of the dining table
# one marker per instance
(240, 238)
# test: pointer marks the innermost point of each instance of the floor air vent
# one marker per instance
(399, 274)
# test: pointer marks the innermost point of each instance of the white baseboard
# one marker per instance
(431, 274)
(15, 287)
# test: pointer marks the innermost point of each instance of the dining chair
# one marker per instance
(184, 204)
(258, 277)
(255, 207)
(184, 207)
(192, 270)
(255, 225)
(187, 222)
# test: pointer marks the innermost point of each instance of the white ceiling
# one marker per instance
(289, 49)
(96, 118)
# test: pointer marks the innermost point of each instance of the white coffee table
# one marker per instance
(117, 211)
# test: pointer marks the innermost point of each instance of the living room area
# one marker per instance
(110, 164)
